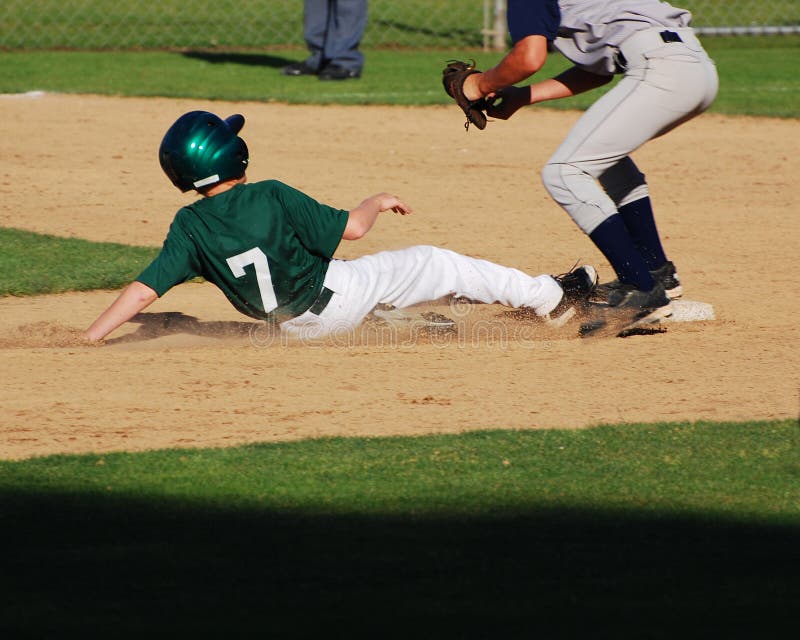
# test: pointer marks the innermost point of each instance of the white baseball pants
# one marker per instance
(415, 275)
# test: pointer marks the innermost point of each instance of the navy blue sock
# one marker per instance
(638, 217)
(614, 241)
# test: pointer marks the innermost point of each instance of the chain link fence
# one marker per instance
(264, 24)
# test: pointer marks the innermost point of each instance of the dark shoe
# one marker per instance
(577, 284)
(665, 275)
(298, 69)
(629, 309)
(335, 72)
(627, 296)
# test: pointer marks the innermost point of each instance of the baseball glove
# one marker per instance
(453, 77)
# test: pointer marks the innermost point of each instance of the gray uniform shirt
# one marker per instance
(590, 30)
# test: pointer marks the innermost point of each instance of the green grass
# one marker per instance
(735, 471)
(680, 528)
(758, 76)
(32, 263)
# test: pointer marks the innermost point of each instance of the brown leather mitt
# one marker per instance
(453, 77)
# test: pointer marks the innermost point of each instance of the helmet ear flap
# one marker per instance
(166, 164)
(242, 154)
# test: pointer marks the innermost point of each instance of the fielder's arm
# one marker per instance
(135, 297)
(567, 84)
(525, 58)
(507, 101)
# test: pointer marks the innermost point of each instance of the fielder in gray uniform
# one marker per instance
(269, 248)
(667, 79)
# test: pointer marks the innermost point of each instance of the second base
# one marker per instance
(691, 311)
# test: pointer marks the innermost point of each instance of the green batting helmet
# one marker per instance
(201, 149)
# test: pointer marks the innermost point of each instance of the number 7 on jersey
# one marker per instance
(258, 259)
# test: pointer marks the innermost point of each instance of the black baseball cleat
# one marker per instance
(335, 72)
(665, 275)
(578, 285)
(298, 69)
(629, 309)
(668, 278)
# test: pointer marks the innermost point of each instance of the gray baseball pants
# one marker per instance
(664, 84)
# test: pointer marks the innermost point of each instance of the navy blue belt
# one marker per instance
(670, 36)
(324, 297)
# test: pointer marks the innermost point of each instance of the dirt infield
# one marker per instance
(195, 373)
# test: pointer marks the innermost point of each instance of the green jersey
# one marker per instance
(265, 245)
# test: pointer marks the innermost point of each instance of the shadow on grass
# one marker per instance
(250, 59)
(126, 568)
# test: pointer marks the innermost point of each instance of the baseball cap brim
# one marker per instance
(235, 122)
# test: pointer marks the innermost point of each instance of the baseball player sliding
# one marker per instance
(667, 79)
(269, 248)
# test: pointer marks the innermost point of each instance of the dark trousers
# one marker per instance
(333, 31)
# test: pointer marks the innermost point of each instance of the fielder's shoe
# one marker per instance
(668, 278)
(629, 309)
(665, 275)
(629, 297)
(578, 285)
